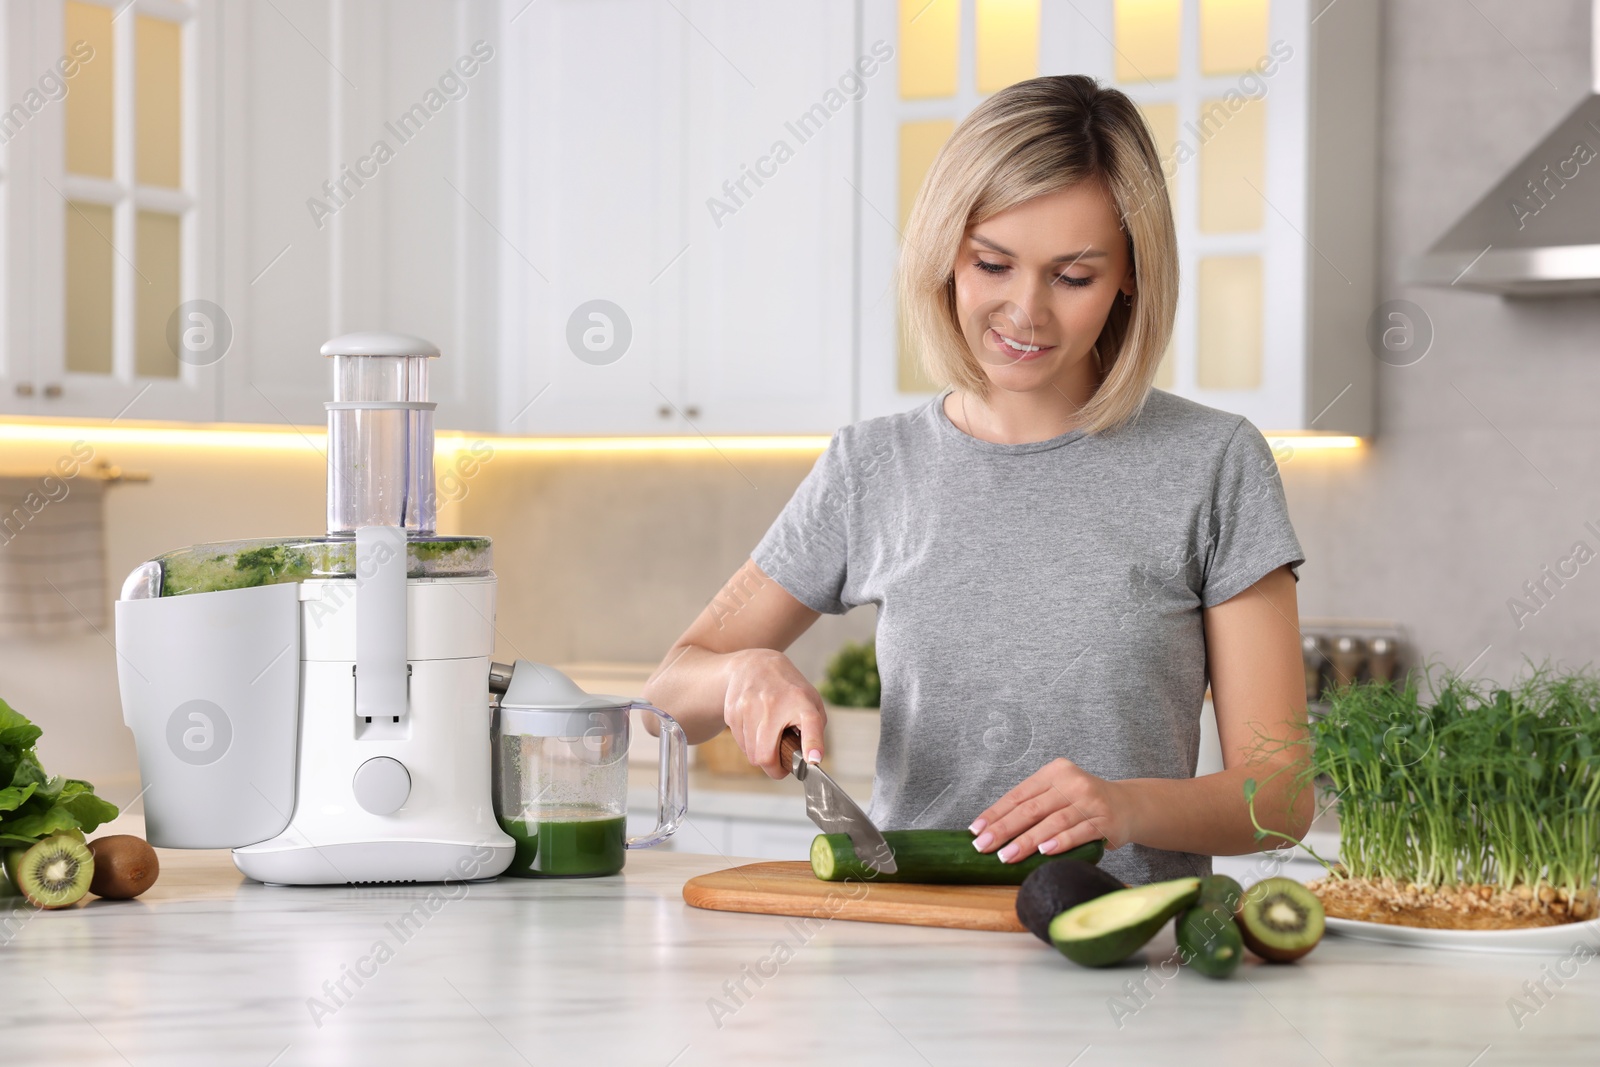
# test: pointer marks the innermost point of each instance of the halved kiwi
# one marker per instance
(1279, 919)
(55, 872)
(124, 866)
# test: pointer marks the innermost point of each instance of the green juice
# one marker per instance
(567, 847)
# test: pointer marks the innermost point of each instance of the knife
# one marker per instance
(831, 808)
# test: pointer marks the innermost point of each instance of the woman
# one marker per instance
(1061, 556)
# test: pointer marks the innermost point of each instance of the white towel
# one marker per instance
(52, 556)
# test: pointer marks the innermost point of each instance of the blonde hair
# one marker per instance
(1030, 139)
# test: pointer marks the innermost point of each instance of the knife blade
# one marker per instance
(831, 808)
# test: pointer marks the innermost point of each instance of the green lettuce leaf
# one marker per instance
(88, 809)
(11, 798)
(10, 759)
(15, 730)
(29, 772)
(36, 826)
(33, 804)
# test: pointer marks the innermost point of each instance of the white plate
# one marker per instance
(1563, 938)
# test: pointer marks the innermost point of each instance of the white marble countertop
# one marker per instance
(210, 970)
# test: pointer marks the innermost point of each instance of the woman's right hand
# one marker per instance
(765, 695)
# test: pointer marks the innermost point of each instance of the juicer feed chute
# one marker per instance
(380, 434)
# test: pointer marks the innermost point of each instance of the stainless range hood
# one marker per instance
(1537, 232)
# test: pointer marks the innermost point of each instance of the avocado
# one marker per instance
(1110, 928)
(1057, 887)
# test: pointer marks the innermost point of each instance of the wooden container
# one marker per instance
(721, 755)
(851, 743)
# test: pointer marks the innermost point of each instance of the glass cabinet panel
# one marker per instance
(919, 144)
(158, 67)
(1233, 35)
(1228, 349)
(1233, 166)
(158, 289)
(90, 267)
(1146, 33)
(89, 112)
(929, 43)
(1008, 43)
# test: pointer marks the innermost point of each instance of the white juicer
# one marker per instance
(322, 706)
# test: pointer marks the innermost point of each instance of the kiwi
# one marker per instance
(11, 860)
(1059, 886)
(124, 866)
(1279, 919)
(55, 872)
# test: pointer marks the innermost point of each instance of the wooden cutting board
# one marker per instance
(789, 888)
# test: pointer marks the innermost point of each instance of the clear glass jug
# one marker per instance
(561, 775)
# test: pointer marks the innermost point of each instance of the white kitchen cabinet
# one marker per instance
(736, 298)
(90, 185)
(277, 97)
(1270, 151)
(358, 157)
(770, 163)
(591, 176)
(729, 179)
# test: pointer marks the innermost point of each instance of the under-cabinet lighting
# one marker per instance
(1310, 442)
(449, 442)
(315, 439)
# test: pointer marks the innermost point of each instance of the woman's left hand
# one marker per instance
(1057, 808)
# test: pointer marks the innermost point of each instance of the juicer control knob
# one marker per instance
(382, 785)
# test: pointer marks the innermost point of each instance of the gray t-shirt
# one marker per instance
(1035, 600)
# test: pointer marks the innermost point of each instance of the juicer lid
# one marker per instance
(379, 343)
(540, 686)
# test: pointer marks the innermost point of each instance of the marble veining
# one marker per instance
(211, 970)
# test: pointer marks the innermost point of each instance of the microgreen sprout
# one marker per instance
(1482, 784)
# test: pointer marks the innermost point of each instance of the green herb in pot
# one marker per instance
(852, 677)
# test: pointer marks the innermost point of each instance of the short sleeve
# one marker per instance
(1251, 535)
(807, 548)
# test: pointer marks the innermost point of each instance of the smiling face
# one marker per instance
(1034, 284)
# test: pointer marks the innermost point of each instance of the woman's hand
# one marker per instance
(1057, 808)
(766, 694)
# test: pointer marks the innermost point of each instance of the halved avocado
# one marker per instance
(1111, 928)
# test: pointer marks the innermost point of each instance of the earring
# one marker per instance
(1127, 300)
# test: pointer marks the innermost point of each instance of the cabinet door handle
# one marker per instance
(52, 390)
(691, 412)
(665, 411)
(24, 388)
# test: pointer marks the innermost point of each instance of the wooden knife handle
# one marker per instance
(788, 747)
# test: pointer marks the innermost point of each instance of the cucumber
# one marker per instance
(933, 857)
(1111, 928)
(1208, 939)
